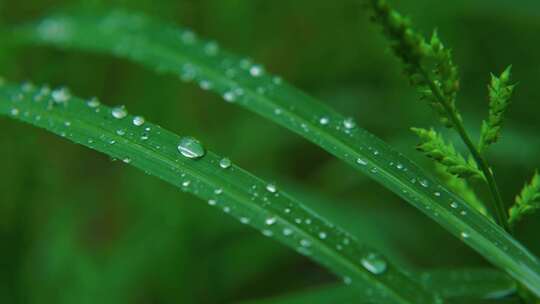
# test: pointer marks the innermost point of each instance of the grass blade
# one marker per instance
(471, 284)
(228, 187)
(174, 50)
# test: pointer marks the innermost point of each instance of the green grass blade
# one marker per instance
(233, 190)
(178, 51)
(472, 284)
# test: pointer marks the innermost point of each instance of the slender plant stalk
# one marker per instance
(498, 205)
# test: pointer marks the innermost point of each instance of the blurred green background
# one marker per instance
(76, 227)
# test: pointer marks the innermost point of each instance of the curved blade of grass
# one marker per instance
(175, 50)
(452, 284)
(235, 191)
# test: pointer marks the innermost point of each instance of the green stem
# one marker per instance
(498, 204)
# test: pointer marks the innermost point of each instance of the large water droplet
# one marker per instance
(119, 112)
(93, 102)
(191, 148)
(374, 263)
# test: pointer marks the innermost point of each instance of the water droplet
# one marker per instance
(212, 202)
(374, 263)
(324, 120)
(14, 112)
(61, 95)
(229, 96)
(119, 112)
(349, 123)
(322, 235)
(225, 163)
(361, 161)
(464, 235)
(271, 188)
(191, 148)
(93, 102)
(218, 191)
(244, 220)
(267, 232)
(305, 243)
(138, 121)
(437, 193)
(256, 70)
(126, 160)
(287, 231)
(205, 84)
(120, 132)
(454, 205)
(399, 166)
(347, 280)
(463, 212)
(270, 221)
(424, 183)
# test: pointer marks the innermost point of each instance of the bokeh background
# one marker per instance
(76, 227)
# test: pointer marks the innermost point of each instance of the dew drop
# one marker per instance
(424, 183)
(267, 232)
(61, 95)
(374, 263)
(287, 231)
(271, 188)
(349, 123)
(119, 112)
(270, 221)
(191, 148)
(229, 96)
(454, 205)
(464, 235)
(212, 202)
(322, 235)
(138, 121)
(347, 280)
(256, 70)
(14, 112)
(437, 194)
(93, 102)
(305, 243)
(324, 120)
(361, 161)
(225, 163)
(244, 220)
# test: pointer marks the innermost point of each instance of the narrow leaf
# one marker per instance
(472, 284)
(173, 50)
(185, 163)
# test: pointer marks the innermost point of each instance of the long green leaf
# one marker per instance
(175, 50)
(462, 285)
(226, 186)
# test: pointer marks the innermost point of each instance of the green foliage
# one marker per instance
(465, 286)
(236, 192)
(500, 91)
(527, 202)
(421, 59)
(433, 146)
(242, 82)
(69, 217)
(463, 189)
